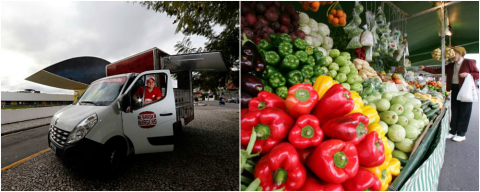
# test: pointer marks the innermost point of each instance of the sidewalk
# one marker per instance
(460, 167)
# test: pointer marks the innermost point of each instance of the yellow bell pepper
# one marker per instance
(394, 166)
(383, 174)
(358, 103)
(377, 128)
(322, 84)
(388, 150)
(371, 113)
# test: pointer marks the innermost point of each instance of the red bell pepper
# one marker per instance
(266, 99)
(312, 184)
(371, 151)
(336, 102)
(281, 168)
(363, 181)
(304, 153)
(352, 127)
(243, 112)
(301, 99)
(334, 161)
(306, 132)
(271, 124)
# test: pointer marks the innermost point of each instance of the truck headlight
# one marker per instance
(82, 128)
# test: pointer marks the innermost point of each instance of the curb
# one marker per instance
(26, 120)
(24, 129)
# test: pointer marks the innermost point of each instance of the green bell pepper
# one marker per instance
(346, 86)
(333, 67)
(277, 80)
(313, 79)
(299, 44)
(267, 88)
(345, 69)
(356, 87)
(269, 70)
(318, 56)
(317, 70)
(285, 48)
(307, 81)
(307, 71)
(309, 49)
(310, 61)
(341, 77)
(286, 38)
(332, 73)
(272, 58)
(282, 92)
(262, 52)
(290, 62)
(294, 77)
(275, 39)
(265, 45)
(302, 56)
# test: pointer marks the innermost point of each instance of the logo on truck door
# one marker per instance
(147, 119)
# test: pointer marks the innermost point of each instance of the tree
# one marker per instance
(199, 18)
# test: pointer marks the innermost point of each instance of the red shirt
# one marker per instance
(152, 96)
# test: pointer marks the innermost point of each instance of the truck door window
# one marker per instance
(149, 89)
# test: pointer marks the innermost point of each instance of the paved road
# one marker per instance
(23, 144)
(205, 158)
(460, 167)
(228, 105)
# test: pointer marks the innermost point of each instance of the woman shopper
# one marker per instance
(456, 73)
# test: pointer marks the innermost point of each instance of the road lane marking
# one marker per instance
(24, 131)
(25, 159)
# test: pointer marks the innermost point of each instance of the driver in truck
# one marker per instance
(152, 93)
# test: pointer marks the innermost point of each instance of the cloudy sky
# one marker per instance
(35, 35)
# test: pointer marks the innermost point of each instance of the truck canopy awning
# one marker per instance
(208, 61)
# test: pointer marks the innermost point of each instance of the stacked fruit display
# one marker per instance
(403, 119)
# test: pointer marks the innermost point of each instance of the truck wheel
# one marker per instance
(114, 156)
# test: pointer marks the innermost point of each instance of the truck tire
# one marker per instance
(114, 154)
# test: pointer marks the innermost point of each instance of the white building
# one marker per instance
(37, 99)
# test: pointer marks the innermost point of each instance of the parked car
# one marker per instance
(232, 100)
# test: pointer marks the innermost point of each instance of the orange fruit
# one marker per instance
(330, 17)
(323, 2)
(344, 15)
(315, 5)
(335, 25)
(333, 11)
(342, 21)
(335, 20)
(339, 13)
(306, 6)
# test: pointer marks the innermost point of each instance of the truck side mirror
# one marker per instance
(125, 103)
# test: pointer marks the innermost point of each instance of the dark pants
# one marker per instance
(461, 112)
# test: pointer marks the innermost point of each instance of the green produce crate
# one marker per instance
(432, 143)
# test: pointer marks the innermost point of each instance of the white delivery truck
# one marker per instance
(114, 118)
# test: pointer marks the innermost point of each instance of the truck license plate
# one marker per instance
(54, 148)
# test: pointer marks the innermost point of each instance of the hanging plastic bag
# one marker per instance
(367, 37)
(336, 16)
(354, 43)
(468, 92)
(369, 54)
(352, 28)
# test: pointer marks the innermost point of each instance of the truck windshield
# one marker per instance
(102, 92)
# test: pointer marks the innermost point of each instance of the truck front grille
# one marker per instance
(58, 136)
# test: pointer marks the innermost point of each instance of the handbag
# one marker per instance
(468, 92)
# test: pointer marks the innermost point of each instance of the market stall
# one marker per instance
(326, 103)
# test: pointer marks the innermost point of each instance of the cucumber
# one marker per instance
(431, 113)
(426, 102)
(436, 106)
(426, 110)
